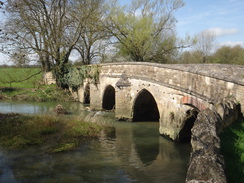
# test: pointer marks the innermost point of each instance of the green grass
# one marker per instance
(31, 89)
(232, 148)
(19, 131)
(8, 76)
(43, 93)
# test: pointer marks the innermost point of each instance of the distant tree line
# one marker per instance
(223, 55)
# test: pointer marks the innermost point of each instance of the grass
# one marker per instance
(19, 131)
(8, 76)
(232, 147)
(43, 93)
(30, 89)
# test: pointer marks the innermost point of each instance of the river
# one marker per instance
(134, 153)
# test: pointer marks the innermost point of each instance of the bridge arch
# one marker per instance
(108, 102)
(190, 117)
(145, 107)
(87, 94)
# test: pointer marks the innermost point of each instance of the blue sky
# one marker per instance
(224, 17)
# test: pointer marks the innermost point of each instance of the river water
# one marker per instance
(134, 153)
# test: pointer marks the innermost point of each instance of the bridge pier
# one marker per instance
(123, 104)
(172, 121)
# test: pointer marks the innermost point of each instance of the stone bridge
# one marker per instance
(170, 94)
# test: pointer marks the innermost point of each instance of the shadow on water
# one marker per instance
(134, 152)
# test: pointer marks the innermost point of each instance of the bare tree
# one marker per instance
(205, 43)
(94, 34)
(49, 28)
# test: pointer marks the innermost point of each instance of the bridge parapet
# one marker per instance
(229, 73)
(209, 82)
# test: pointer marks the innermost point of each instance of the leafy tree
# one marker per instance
(190, 57)
(229, 55)
(145, 30)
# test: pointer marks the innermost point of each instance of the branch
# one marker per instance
(18, 81)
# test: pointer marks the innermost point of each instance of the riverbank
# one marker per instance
(232, 148)
(58, 133)
(40, 94)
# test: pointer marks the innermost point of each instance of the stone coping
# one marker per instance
(229, 73)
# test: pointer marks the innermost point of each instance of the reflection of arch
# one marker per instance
(145, 107)
(147, 148)
(87, 94)
(109, 98)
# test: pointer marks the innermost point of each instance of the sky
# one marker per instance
(224, 17)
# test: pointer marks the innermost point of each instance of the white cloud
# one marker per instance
(222, 32)
(231, 43)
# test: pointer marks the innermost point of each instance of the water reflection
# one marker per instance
(134, 152)
(146, 148)
(5, 170)
(25, 107)
(149, 157)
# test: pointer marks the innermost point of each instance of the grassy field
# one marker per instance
(14, 85)
(232, 147)
(9, 77)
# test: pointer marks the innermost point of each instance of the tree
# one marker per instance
(49, 28)
(94, 35)
(229, 55)
(205, 42)
(145, 29)
(190, 57)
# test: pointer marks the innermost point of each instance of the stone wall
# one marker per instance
(206, 163)
(48, 78)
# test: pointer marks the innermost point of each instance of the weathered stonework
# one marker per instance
(48, 78)
(175, 88)
(206, 164)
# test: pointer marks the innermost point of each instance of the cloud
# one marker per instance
(231, 43)
(223, 32)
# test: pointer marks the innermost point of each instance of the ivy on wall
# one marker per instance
(75, 76)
